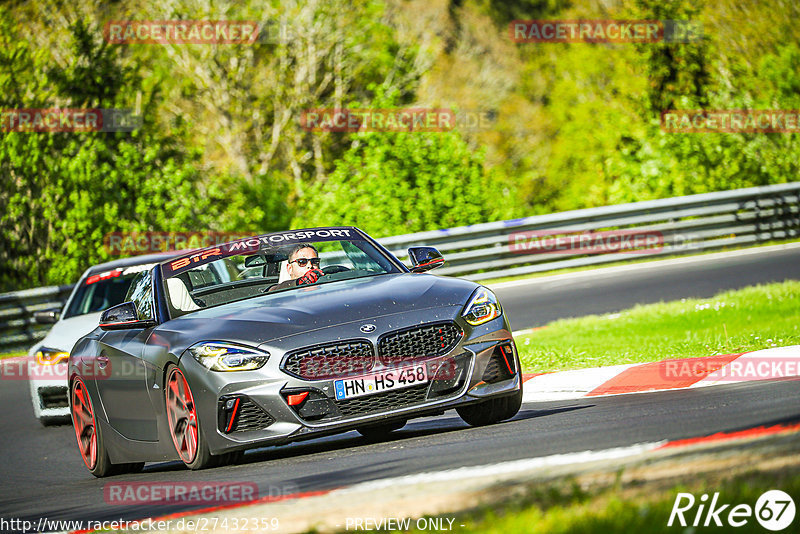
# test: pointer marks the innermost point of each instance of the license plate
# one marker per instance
(383, 381)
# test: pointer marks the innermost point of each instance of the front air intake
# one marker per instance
(418, 343)
(331, 360)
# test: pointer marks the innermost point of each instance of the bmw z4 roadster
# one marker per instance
(284, 337)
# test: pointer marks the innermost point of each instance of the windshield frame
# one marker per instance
(271, 242)
(79, 293)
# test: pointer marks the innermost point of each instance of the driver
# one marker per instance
(302, 267)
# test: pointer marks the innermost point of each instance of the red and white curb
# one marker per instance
(767, 364)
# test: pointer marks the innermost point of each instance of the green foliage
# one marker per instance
(242, 103)
(675, 71)
(753, 318)
(62, 192)
(604, 102)
(222, 148)
(631, 503)
(504, 11)
(389, 183)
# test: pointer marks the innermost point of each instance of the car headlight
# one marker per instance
(482, 307)
(45, 356)
(218, 356)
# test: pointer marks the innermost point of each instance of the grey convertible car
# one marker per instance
(100, 287)
(215, 352)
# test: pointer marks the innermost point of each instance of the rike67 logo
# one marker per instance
(774, 510)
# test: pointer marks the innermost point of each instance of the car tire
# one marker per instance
(184, 425)
(89, 435)
(491, 411)
(380, 431)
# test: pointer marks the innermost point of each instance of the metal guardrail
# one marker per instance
(684, 225)
(492, 250)
(18, 330)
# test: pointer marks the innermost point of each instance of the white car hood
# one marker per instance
(66, 332)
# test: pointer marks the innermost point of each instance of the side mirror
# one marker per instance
(48, 316)
(121, 317)
(424, 259)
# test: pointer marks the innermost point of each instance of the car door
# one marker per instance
(121, 381)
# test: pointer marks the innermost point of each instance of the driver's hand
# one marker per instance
(310, 277)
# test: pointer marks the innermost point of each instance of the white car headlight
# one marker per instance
(482, 307)
(219, 356)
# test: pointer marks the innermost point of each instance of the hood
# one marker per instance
(66, 332)
(272, 316)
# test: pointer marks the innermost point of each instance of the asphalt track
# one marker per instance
(538, 301)
(43, 476)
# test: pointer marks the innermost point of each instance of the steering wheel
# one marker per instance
(330, 269)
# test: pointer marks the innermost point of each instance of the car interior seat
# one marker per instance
(179, 296)
(284, 273)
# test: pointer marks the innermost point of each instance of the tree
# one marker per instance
(244, 102)
(395, 183)
(63, 192)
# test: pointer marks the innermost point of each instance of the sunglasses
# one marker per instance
(303, 261)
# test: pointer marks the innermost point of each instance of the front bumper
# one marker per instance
(248, 409)
(49, 390)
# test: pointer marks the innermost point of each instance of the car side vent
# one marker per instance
(252, 417)
(501, 366)
(241, 414)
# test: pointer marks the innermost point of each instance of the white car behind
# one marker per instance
(100, 287)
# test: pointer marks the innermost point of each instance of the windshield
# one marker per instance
(100, 291)
(257, 266)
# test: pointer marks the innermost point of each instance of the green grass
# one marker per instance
(12, 354)
(560, 507)
(753, 318)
